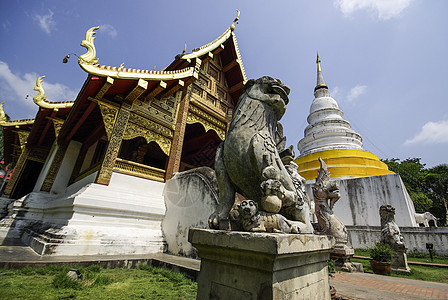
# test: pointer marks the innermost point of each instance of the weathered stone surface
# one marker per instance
(326, 194)
(414, 237)
(249, 161)
(190, 198)
(391, 235)
(243, 265)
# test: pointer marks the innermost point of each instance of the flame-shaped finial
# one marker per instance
(2, 112)
(40, 97)
(90, 56)
(232, 27)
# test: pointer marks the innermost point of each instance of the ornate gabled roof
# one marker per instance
(219, 42)
(14, 123)
(6, 123)
(184, 66)
(40, 98)
(89, 63)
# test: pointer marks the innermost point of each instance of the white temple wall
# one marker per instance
(362, 197)
(46, 167)
(415, 238)
(66, 168)
(122, 218)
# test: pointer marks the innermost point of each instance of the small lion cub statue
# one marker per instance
(260, 221)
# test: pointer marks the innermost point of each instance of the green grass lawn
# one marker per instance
(97, 283)
(417, 272)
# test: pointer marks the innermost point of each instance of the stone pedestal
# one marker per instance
(243, 265)
(341, 254)
(399, 261)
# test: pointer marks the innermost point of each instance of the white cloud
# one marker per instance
(14, 87)
(385, 9)
(335, 92)
(46, 22)
(431, 133)
(356, 92)
(108, 29)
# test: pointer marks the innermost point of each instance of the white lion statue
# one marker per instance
(424, 218)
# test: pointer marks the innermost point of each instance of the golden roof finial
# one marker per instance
(2, 112)
(40, 97)
(90, 56)
(320, 78)
(318, 63)
(232, 27)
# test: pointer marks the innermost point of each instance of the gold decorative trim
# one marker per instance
(142, 121)
(38, 154)
(115, 139)
(207, 117)
(192, 118)
(17, 122)
(133, 130)
(138, 170)
(40, 98)
(89, 63)
(54, 168)
(198, 52)
(109, 114)
(239, 59)
(17, 172)
(23, 136)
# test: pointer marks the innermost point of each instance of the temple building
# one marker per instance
(365, 182)
(331, 137)
(89, 174)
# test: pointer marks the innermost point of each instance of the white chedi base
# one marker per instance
(122, 218)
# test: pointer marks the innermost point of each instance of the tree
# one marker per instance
(428, 188)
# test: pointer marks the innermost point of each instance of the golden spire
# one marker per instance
(320, 78)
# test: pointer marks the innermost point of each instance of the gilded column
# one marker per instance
(113, 147)
(18, 169)
(179, 134)
(54, 168)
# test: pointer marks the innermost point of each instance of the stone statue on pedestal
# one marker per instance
(253, 161)
(326, 194)
(390, 234)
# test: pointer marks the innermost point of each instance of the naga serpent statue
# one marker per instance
(249, 160)
(326, 193)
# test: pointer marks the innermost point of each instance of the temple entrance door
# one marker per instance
(199, 147)
(28, 179)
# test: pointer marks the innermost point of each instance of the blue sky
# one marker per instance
(383, 60)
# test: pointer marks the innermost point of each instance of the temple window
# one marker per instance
(139, 151)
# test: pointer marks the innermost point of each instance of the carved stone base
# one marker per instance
(243, 265)
(400, 261)
(341, 254)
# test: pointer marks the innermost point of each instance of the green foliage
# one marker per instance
(434, 274)
(97, 283)
(331, 268)
(428, 188)
(381, 252)
(91, 277)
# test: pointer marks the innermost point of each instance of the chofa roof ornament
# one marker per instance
(90, 56)
(40, 98)
(232, 27)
